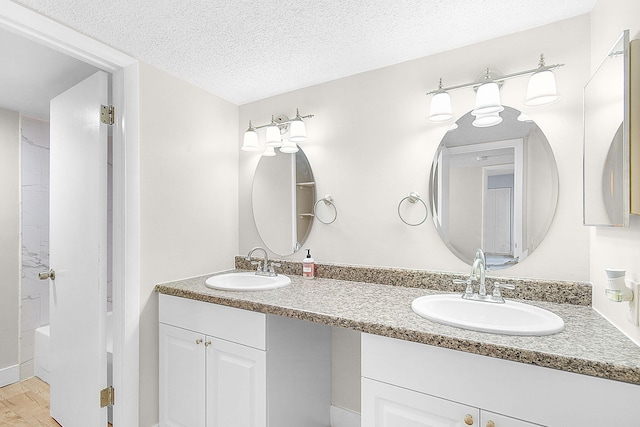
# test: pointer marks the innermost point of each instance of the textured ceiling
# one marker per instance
(245, 50)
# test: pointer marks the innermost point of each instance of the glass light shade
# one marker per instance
(297, 131)
(250, 141)
(524, 118)
(269, 152)
(289, 147)
(274, 139)
(440, 107)
(541, 89)
(487, 120)
(487, 100)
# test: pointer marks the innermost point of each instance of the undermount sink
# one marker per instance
(510, 318)
(246, 281)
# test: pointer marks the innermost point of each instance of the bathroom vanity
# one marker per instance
(413, 370)
(223, 366)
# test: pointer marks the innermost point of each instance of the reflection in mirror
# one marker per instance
(606, 140)
(494, 188)
(282, 199)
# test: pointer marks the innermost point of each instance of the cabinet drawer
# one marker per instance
(228, 323)
(384, 405)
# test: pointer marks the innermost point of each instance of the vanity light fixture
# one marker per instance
(275, 130)
(440, 106)
(541, 91)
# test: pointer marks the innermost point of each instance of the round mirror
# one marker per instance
(494, 188)
(282, 196)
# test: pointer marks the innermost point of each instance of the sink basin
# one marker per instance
(510, 318)
(246, 281)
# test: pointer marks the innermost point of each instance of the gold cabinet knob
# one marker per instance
(199, 341)
(468, 419)
(207, 344)
(490, 423)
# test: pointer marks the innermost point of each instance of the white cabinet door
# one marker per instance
(182, 377)
(490, 419)
(384, 405)
(236, 385)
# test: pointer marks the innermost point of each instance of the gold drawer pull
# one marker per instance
(468, 420)
(207, 344)
(490, 423)
(199, 341)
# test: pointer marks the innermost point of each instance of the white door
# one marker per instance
(182, 377)
(496, 221)
(78, 245)
(385, 405)
(236, 385)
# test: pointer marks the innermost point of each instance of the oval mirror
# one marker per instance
(494, 188)
(282, 198)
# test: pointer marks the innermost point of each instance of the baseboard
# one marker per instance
(9, 375)
(341, 417)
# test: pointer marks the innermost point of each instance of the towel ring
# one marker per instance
(328, 201)
(413, 197)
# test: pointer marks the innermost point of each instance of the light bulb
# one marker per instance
(541, 89)
(487, 120)
(297, 130)
(440, 107)
(250, 140)
(289, 147)
(274, 139)
(487, 99)
(269, 152)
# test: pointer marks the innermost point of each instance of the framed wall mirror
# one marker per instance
(282, 198)
(606, 173)
(494, 188)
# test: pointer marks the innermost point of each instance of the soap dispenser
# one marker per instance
(308, 266)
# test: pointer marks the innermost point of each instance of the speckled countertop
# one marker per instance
(588, 345)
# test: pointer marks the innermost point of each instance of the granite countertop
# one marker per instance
(588, 345)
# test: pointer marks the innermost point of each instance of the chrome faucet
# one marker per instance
(264, 268)
(478, 270)
(479, 263)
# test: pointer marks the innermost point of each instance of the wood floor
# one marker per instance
(26, 404)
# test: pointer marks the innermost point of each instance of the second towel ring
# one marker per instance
(328, 201)
(413, 197)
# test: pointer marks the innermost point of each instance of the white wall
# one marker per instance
(188, 200)
(34, 293)
(9, 243)
(370, 145)
(614, 247)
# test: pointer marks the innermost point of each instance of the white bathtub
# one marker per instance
(41, 358)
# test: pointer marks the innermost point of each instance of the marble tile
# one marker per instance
(34, 293)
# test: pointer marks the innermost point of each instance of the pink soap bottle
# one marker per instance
(308, 266)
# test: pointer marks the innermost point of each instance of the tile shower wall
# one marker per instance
(34, 295)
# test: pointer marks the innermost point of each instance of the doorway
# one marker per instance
(30, 25)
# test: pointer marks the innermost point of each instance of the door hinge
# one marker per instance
(107, 114)
(107, 397)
